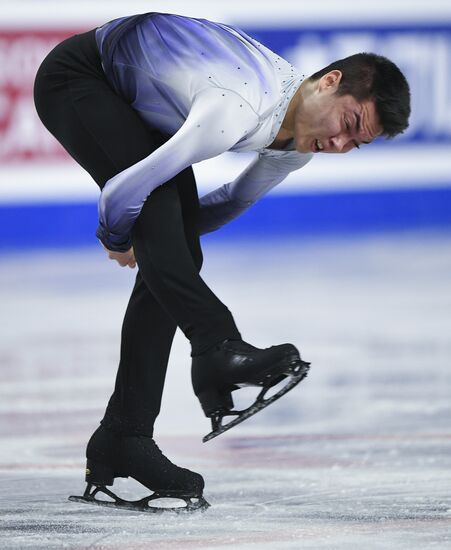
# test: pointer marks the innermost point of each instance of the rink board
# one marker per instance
(401, 184)
(328, 214)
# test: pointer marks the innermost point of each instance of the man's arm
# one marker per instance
(218, 119)
(232, 199)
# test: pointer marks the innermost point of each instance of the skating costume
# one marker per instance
(135, 103)
(212, 88)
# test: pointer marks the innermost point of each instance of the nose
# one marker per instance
(339, 142)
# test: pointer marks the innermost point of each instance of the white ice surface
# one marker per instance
(357, 457)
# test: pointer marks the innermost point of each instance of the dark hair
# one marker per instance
(371, 76)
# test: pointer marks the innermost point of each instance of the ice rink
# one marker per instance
(358, 456)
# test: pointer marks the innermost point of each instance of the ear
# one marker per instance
(330, 81)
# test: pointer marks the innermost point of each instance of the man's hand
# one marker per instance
(122, 258)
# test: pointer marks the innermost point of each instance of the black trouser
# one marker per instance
(105, 136)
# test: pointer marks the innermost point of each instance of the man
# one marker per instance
(136, 102)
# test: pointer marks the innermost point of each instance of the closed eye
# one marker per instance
(359, 127)
(348, 128)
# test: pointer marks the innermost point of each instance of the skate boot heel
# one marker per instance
(98, 474)
(214, 401)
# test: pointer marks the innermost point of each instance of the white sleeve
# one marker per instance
(218, 119)
(229, 201)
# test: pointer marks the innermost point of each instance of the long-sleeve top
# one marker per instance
(213, 89)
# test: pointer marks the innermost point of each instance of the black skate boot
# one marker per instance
(110, 455)
(233, 364)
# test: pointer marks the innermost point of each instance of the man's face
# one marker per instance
(328, 123)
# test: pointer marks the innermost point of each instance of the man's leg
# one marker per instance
(147, 335)
(106, 136)
(169, 270)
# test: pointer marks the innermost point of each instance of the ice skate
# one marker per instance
(233, 364)
(110, 455)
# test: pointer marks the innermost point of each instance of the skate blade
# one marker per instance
(193, 504)
(295, 377)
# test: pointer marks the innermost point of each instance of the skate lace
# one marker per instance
(155, 452)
